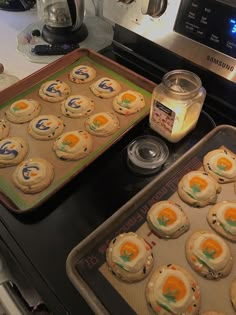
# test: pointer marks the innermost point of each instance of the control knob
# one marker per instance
(154, 8)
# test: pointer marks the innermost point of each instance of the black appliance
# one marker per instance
(42, 240)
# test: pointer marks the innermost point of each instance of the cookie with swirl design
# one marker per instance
(82, 74)
(45, 127)
(76, 106)
(23, 111)
(105, 87)
(54, 91)
(33, 175)
(12, 151)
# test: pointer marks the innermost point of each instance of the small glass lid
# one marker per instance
(146, 154)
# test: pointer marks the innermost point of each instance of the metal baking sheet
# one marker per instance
(20, 202)
(86, 264)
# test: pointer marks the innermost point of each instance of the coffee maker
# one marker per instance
(63, 21)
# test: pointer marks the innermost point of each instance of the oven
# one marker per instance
(151, 38)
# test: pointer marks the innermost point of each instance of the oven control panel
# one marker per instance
(209, 22)
(201, 31)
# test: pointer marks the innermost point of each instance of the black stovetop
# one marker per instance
(42, 240)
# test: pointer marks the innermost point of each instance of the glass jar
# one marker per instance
(176, 104)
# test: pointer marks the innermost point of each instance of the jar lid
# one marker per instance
(147, 154)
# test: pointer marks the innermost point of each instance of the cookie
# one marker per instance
(129, 257)
(82, 74)
(222, 218)
(128, 102)
(12, 151)
(73, 145)
(171, 290)
(198, 189)
(4, 128)
(23, 111)
(167, 219)
(233, 293)
(102, 124)
(105, 88)
(76, 106)
(45, 127)
(54, 91)
(209, 255)
(33, 175)
(221, 164)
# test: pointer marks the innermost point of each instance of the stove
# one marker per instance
(42, 240)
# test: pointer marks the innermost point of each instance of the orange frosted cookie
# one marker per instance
(209, 255)
(73, 145)
(167, 219)
(102, 124)
(221, 164)
(198, 189)
(172, 290)
(128, 102)
(23, 111)
(222, 218)
(129, 257)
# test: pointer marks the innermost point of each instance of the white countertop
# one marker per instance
(11, 24)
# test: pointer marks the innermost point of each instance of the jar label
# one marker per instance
(162, 117)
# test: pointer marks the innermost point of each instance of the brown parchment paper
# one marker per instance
(214, 294)
(66, 170)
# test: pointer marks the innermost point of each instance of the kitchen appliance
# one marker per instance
(41, 241)
(63, 21)
(16, 5)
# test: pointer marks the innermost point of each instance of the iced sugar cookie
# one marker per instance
(221, 164)
(76, 106)
(172, 290)
(54, 91)
(198, 189)
(45, 127)
(82, 74)
(102, 124)
(222, 218)
(209, 255)
(128, 102)
(167, 219)
(23, 111)
(4, 128)
(33, 175)
(129, 257)
(105, 87)
(12, 151)
(73, 145)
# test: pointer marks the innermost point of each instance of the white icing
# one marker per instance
(83, 72)
(9, 149)
(40, 124)
(105, 85)
(78, 105)
(177, 307)
(218, 263)
(31, 173)
(55, 88)
(135, 264)
(167, 229)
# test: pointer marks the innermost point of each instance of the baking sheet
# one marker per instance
(66, 170)
(86, 266)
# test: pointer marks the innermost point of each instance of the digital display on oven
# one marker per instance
(210, 22)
